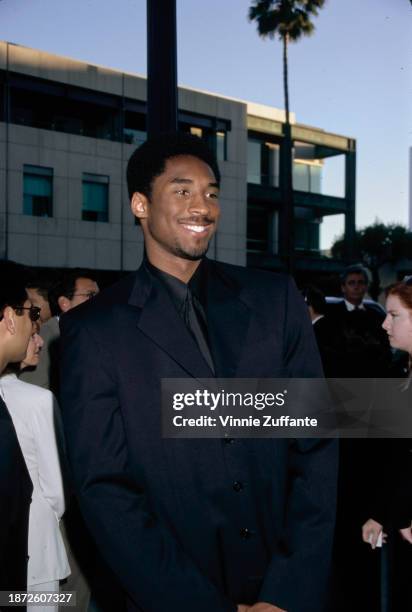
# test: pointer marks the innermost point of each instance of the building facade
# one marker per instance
(67, 130)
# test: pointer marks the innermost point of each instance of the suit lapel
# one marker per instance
(228, 321)
(160, 321)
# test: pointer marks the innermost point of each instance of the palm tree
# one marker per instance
(290, 19)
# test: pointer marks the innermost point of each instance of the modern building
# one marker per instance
(68, 128)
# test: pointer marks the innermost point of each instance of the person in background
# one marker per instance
(364, 347)
(37, 288)
(364, 352)
(32, 411)
(71, 289)
(327, 333)
(92, 581)
(17, 320)
(390, 483)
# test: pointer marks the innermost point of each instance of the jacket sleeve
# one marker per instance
(297, 577)
(48, 464)
(140, 548)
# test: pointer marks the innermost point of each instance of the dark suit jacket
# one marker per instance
(329, 338)
(365, 350)
(15, 497)
(166, 513)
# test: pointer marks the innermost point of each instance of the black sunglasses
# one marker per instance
(34, 312)
(407, 280)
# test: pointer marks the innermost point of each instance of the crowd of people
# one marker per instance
(358, 339)
(94, 502)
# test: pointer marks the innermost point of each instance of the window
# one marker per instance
(221, 149)
(95, 197)
(306, 235)
(134, 131)
(263, 163)
(37, 191)
(307, 168)
(196, 131)
(64, 111)
(216, 140)
(262, 229)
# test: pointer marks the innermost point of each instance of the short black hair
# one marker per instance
(66, 286)
(315, 298)
(149, 160)
(42, 282)
(354, 269)
(12, 282)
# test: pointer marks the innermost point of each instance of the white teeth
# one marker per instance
(196, 228)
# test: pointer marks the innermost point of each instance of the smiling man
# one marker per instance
(194, 525)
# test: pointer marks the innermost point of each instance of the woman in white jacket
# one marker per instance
(32, 410)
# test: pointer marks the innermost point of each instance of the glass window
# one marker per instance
(300, 176)
(254, 162)
(53, 112)
(196, 131)
(262, 229)
(37, 191)
(263, 163)
(270, 164)
(134, 131)
(221, 151)
(95, 197)
(257, 228)
(315, 178)
(306, 235)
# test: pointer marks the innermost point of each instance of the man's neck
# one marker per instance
(183, 269)
(3, 363)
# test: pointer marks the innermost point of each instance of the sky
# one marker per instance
(352, 77)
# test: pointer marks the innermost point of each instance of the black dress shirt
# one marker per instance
(189, 300)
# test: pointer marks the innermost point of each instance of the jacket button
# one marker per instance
(245, 533)
(228, 440)
(238, 486)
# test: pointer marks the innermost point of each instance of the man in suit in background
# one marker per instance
(17, 320)
(71, 289)
(365, 351)
(328, 335)
(201, 525)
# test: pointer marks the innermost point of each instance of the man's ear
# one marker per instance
(64, 303)
(9, 319)
(139, 205)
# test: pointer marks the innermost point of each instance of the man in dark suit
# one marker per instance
(17, 316)
(194, 525)
(365, 351)
(328, 335)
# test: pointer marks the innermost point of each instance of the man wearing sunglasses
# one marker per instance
(18, 319)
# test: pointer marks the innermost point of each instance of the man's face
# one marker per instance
(24, 329)
(182, 214)
(38, 300)
(32, 356)
(354, 288)
(84, 289)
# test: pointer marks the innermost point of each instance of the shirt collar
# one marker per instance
(350, 307)
(178, 289)
(318, 318)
